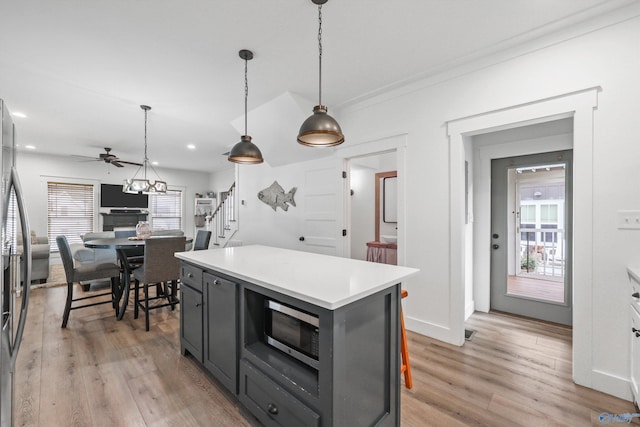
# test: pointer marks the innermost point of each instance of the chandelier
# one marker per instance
(143, 185)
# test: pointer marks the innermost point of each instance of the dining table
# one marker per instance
(120, 245)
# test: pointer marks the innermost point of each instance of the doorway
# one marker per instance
(531, 235)
(369, 220)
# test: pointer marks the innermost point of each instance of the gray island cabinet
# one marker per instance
(352, 375)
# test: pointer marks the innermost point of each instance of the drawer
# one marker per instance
(191, 275)
(270, 403)
(209, 280)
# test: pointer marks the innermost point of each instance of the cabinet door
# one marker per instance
(221, 330)
(191, 337)
(635, 353)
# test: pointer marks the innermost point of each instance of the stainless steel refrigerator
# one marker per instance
(16, 266)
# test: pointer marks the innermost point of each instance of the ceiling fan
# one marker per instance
(111, 159)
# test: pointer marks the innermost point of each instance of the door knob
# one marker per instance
(273, 409)
(301, 238)
(495, 246)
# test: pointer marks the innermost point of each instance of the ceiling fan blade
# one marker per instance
(85, 158)
(129, 163)
(116, 163)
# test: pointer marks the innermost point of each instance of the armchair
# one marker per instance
(40, 253)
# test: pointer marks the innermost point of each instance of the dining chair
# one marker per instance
(135, 256)
(160, 268)
(202, 240)
(83, 273)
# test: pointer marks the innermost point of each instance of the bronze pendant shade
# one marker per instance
(320, 129)
(245, 151)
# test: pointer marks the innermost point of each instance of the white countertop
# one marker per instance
(326, 281)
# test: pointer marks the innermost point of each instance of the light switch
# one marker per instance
(629, 220)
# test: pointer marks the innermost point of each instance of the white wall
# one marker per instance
(33, 167)
(259, 223)
(362, 210)
(222, 180)
(607, 58)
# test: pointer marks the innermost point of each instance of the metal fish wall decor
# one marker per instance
(275, 196)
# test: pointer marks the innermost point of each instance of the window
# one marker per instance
(549, 213)
(166, 210)
(528, 214)
(70, 210)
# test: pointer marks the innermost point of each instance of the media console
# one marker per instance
(356, 380)
(121, 218)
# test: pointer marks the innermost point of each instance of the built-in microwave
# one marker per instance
(292, 331)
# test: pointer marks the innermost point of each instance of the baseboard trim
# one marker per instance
(611, 384)
(432, 330)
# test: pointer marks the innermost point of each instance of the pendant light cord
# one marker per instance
(146, 159)
(246, 95)
(319, 54)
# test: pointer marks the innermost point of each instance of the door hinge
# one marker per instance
(344, 231)
(344, 174)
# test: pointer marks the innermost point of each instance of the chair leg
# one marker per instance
(115, 284)
(146, 306)
(136, 298)
(86, 286)
(67, 305)
(171, 296)
(404, 350)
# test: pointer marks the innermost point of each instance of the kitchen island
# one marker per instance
(333, 359)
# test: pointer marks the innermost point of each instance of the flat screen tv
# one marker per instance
(111, 196)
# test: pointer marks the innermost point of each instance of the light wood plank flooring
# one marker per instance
(548, 290)
(101, 372)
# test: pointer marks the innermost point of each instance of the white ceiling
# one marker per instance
(80, 69)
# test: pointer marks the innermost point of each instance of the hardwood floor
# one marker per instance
(538, 288)
(101, 372)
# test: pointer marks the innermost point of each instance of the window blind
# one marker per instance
(70, 210)
(166, 210)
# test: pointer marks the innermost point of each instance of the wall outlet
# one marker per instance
(629, 220)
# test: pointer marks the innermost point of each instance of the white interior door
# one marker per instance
(323, 217)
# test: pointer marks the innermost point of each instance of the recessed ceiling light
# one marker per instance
(19, 114)
(191, 147)
(155, 163)
(30, 147)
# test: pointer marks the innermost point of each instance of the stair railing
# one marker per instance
(223, 219)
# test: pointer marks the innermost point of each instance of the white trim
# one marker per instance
(580, 105)
(613, 384)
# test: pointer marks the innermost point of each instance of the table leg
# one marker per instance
(123, 294)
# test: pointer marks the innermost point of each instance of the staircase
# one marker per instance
(222, 223)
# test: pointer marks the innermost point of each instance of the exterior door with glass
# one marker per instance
(531, 214)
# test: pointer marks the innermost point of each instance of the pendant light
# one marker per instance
(143, 185)
(320, 129)
(245, 151)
